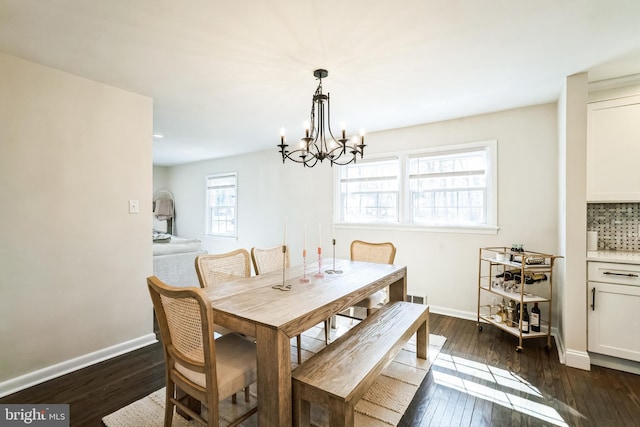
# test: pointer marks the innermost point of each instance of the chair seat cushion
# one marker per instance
(235, 365)
(372, 300)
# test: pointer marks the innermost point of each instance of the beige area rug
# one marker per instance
(383, 405)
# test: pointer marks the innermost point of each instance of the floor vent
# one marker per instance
(417, 299)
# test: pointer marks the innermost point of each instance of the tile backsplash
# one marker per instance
(616, 224)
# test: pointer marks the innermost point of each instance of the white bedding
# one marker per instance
(174, 261)
(177, 245)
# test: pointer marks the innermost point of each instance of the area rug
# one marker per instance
(383, 404)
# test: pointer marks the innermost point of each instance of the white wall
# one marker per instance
(160, 178)
(442, 265)
(572, 283)
(268, 192)
(73, 261)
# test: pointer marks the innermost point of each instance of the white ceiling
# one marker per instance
(225, 76)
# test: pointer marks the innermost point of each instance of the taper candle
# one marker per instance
(284, 239)
(333, 229)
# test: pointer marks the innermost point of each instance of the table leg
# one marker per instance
(274, 377)
(398, 290)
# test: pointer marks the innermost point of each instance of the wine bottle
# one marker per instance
(525, 319)
(511, 312)
(535, 318)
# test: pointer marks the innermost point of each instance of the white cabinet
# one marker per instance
(613, 150)
(614, 309)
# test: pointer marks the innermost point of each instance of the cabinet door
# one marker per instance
(614, 320)
(613, 148)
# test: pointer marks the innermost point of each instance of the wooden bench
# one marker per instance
(340, 374)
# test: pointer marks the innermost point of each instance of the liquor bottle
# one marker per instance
(511, 313)
(525, 319)
(498, 315)
(535, 318)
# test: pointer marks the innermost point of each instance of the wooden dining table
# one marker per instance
(258, 307)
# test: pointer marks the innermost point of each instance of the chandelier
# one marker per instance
(319, 143)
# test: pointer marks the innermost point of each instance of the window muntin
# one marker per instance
(370, 191)
(221, 205)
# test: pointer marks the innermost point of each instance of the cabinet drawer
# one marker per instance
(608, 272)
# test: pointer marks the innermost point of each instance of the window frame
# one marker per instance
(207, 226)
(404, 204)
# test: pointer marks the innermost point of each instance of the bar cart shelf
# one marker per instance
(525, 277)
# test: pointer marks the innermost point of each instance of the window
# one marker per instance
(369, 191)
(448, 188)
(222, 212)
(451, 187)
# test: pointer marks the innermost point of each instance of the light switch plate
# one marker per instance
(134, 207)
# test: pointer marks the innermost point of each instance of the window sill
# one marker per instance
(220, 236)
(421, 228)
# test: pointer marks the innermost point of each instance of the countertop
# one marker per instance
(622, 257)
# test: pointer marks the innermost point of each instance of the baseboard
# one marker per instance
(50, 372)
(559, 345)
(467, 315)
(577, 359)
(615, 363)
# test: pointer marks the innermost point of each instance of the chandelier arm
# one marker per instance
(313, 108)
(329, 118)
(345, 162)
(289, 155)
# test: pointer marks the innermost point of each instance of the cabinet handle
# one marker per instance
(593, 299)
(610, 273)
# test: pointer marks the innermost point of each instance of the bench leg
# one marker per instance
(422, 339)
(341, 414)
(301, 408)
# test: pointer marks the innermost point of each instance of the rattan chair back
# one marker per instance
(383, 253)
(213, 269)
(270, 259)
(186, 325)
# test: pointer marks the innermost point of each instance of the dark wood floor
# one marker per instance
(478, 380)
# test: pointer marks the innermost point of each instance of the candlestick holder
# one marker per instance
(334, 271)
(283, 286)
(304, 278)
(319, 274)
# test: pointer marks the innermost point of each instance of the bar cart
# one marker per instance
(520, 277)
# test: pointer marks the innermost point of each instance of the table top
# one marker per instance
(255, 300)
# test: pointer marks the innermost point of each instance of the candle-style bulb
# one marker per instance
(282, 135)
